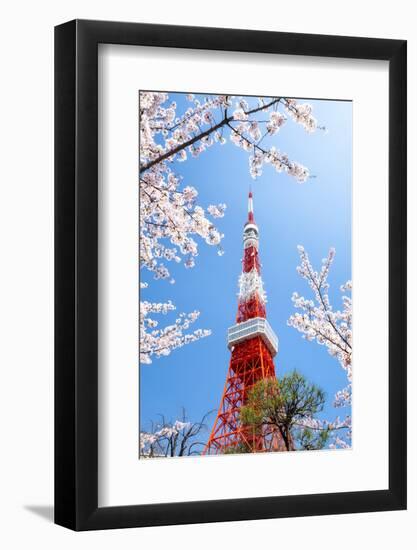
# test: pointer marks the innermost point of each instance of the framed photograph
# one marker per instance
(230, 244)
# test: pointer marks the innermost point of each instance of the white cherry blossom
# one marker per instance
(319, 322)
(168, 439)
(160, 342)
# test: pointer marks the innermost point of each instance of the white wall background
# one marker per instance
(26, 273)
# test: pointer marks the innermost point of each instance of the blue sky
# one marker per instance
(316, 214)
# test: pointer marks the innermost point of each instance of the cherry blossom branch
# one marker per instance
(198, 137)
(323, 303)
(328, 327)
(161, 342)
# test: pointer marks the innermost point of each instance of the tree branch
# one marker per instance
(200, 136)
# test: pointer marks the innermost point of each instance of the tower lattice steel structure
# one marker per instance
(253, 345)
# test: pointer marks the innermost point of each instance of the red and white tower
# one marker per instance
(253, 344)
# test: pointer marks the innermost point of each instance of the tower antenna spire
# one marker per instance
(251, 218)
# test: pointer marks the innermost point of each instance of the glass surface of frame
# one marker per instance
(78, 486)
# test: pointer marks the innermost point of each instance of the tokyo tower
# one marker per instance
(253, 345)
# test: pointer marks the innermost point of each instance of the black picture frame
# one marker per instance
(76, 273)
